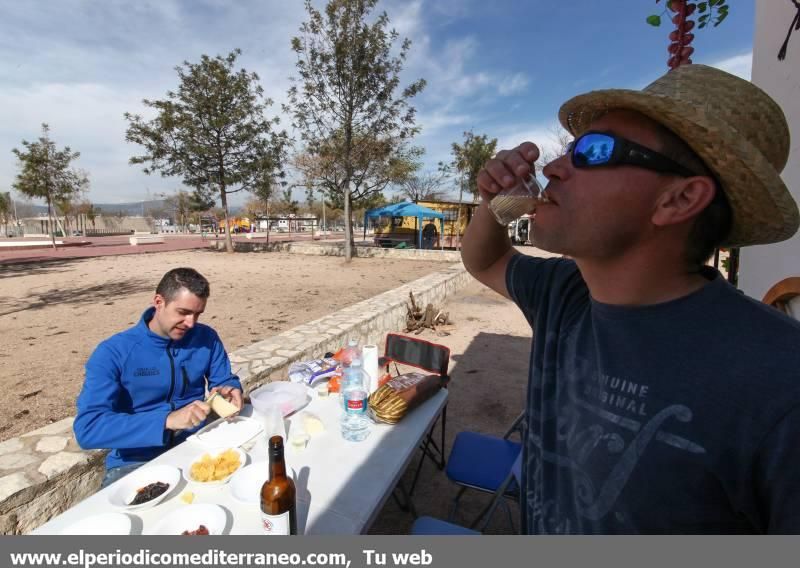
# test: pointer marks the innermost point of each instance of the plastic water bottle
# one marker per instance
(354, 423)
(351, 352)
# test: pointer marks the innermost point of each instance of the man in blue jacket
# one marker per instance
(145, 387)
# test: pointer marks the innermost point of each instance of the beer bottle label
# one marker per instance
(275, 524)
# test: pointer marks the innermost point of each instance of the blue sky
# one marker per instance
(500, 68)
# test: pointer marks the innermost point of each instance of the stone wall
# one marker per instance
(336, 248)
(367, 321)
(44, 472)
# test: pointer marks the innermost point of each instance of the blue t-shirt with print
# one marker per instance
(679, 417)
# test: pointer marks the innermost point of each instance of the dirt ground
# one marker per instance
(53, 314)
(489, 353)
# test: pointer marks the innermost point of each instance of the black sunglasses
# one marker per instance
(595, 149)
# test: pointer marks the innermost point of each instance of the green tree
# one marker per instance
(424, 187)
(88, 211)
(288, 203)
(212, 132)
(469, 157)
(558, 145)
(45, 173)
(6, 211)
(354, 126)
(179, 205)
(91, 213)
(253, 208)
(266, 186)
(66, 206)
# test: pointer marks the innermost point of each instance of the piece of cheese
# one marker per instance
(313, 425)
(187, 497)
(221, 406)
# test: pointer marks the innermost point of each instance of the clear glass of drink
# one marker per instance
(510, 204)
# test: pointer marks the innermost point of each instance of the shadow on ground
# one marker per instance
(487, 392)
(15, 268)
(106, 292)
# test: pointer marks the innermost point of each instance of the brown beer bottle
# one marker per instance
(278, 505)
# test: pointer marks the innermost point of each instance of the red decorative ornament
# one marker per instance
(679, 50)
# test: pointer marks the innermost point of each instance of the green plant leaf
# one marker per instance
(701, 26)
(654, 20)
(702, 7)
(721, 17)
(713, 2)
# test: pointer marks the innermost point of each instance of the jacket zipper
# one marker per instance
(171, 390)
(185, 381)
(171, 375)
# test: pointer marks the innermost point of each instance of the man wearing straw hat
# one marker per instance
(660, 398)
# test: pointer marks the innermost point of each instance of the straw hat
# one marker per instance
(738, 131)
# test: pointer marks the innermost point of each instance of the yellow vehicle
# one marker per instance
(238, 225)
(391, 231)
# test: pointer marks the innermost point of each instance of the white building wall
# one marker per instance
(763, 266)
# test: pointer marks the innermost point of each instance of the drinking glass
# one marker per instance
(510, 204)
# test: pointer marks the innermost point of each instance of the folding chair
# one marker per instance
(431, 357)
(433, 526)
(487, 464)
(430, 526)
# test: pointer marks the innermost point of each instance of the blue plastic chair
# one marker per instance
(486, 463)
(431, 526)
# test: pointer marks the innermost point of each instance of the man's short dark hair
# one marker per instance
(178, 278)
(713, 224)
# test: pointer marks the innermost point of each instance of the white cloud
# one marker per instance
(739, 65)
(544, 135)
(82, 83)
(513, 84)
(406, 18)
(442, 118)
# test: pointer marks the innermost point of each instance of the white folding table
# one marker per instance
(341, 485)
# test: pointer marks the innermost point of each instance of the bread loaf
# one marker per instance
(401, 394)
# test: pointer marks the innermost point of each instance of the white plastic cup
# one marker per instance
(272, 419)
(298, 436)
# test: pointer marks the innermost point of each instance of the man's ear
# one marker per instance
(683, 200)
(159, 301)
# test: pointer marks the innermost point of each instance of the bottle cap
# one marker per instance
(276, 447)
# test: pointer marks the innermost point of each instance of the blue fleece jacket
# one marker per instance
(135, 379)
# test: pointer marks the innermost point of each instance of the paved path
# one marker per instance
(106, 246)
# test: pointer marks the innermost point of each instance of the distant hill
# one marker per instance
(128, 209)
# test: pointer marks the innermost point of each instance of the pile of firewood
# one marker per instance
(418, 319)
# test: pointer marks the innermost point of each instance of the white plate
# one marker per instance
(246, 483)
(289, 397)
(189, 518)
(123, 491)
(214, 453)
(232, 432)
(105, 524)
